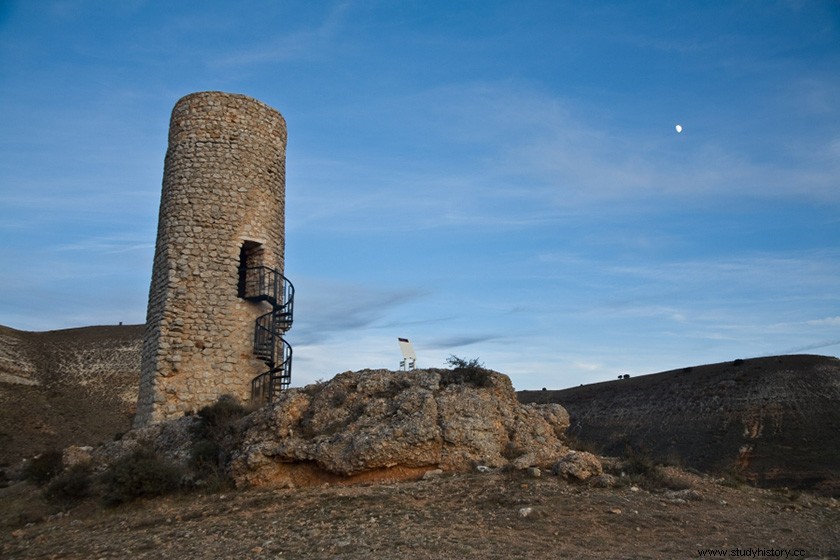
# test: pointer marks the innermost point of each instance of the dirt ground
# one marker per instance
(460, 516)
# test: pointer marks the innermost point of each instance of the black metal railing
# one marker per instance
(266, 386)
(266, 284)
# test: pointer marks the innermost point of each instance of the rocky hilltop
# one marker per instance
(368, 425)
(72, 386)
(771, 421)
(375, 424)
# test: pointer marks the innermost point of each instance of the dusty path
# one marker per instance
(457, 517)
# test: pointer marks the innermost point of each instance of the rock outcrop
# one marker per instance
(579, 465)
(380, 424)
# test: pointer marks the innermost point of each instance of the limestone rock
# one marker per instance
(76, 455)
(685, 495)
(384, 421)
(172, 440)
(578, 464)
(526, 511)
(604, 481)
(555, 415)
(430, 475)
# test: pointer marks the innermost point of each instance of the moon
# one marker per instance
(678, 128)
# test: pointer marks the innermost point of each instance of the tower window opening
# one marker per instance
(250, 256)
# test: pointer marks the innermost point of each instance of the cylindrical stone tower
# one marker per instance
(221, 211)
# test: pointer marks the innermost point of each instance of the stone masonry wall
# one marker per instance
(223, 187)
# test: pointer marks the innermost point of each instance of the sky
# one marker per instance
(494, 180)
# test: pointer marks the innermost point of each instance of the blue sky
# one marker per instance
(492, 179)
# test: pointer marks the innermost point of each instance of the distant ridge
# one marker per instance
(62, 387)
(772, 421)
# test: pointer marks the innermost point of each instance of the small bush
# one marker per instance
(638, 461)
(211, 438)
(470, 372)
(660, 478)
(642, 469)
(217, 419)
(512, 451)
(673, 459)
(207, 460)
(43, 468)
(573, 442)
(140, 474)
(205, 457)
(71, 486)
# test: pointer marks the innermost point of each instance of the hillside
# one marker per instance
(772, 421)
(420, 464)
(77, 386)
(72, 386)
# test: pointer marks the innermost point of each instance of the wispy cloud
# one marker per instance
(814, 346)
(458, 341)
(826, 322)
(337, 309)
(115, 244)
(530, 157)
(304, 44)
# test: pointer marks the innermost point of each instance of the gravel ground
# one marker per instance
(499, 515)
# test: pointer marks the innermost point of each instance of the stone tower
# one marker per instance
(217, 272)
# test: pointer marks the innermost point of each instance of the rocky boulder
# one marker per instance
(580, 465)
(381, 424)
(172, 440)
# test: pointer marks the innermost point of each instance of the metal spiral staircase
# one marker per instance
(266, 284)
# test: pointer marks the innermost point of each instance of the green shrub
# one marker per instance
(141, 474)
(573, 442)
(71, 486)
(211, 437)
(641, 468)
(638, 460)
(660, 478)
(205, 457)
(470, 372)
(43, 468)
(216, 420)
(207, 460)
